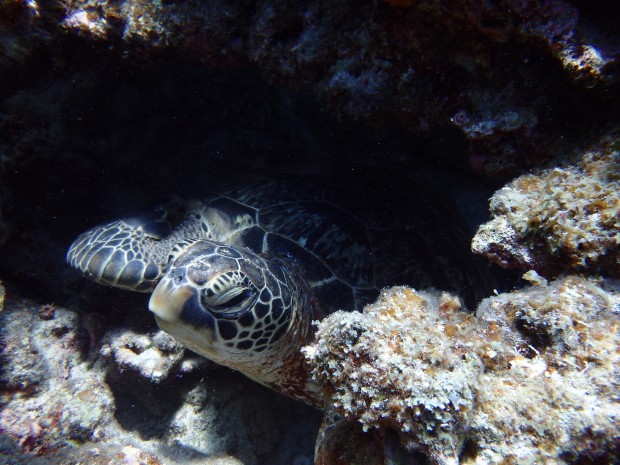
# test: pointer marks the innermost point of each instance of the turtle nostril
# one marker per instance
(178, 276)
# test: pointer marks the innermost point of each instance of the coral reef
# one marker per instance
(532, 378)
(148, 356)
(50, 397)
(358, 60)
(566, 217)
(71, 394)
(557, 376)
(105, 106)
(375, 369)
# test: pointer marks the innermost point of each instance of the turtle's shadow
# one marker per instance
(228, 414)
(145, 407)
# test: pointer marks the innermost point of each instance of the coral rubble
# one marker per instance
(532, 378)
(566, 217)
(151, 356)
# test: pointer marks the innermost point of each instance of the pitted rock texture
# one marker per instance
(531, 378)
(65, 399)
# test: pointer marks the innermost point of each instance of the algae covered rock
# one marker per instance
(563, 218)
(51, 397)
(75, 391)
(531, 379)
(556, 378)
(377, 369)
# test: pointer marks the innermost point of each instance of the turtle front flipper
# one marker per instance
(129, 253)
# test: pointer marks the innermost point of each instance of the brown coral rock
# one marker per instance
(562, 218)
(532, 379)
(395, 366)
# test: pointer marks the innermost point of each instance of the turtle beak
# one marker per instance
(176, 305)
(168, 300)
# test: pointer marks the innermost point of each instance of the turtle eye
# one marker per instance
(228, 293)
(234, 298)
(231, 300)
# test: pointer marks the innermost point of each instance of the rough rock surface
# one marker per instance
(50, 396)
(498, 72)
(70, 395)
(149, 356)
(532, 378)
(106, 106)
(566, 217)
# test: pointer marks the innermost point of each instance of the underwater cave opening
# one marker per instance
(105, 141)
(112, 139)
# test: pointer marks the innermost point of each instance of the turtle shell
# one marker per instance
(350, 239)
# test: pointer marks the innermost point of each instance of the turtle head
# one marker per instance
(225, 303)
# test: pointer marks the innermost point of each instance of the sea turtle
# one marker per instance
(240, 276)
